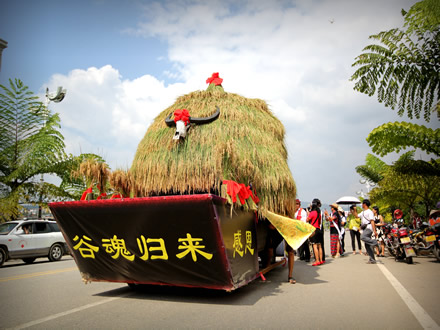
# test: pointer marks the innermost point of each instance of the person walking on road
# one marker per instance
(342, 229)
(378, 220)
(369, 228)
(335, 245)
(304, 250)
(318, 205)
(314, 219)
(354, 225)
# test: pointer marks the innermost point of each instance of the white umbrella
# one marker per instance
(348, 200)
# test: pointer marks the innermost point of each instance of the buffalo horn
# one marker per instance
(169, 121)
(205, 120)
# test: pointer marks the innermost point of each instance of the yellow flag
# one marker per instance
(295, 232)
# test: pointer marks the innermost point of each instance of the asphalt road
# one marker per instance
(345, 293)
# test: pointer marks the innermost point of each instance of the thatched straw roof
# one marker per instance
(245, 144)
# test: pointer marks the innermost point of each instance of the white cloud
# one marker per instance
(288, 54)
(106, 115)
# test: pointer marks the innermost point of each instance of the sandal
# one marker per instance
(291, 280)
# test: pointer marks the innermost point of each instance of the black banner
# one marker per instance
(189, 240)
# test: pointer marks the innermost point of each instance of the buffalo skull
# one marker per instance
(182, 127)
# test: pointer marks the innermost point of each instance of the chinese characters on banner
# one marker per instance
(238, 246)
(154, 248)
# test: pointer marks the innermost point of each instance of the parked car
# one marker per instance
(31, 239)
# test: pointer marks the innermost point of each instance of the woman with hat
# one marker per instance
(335, 245)
(434, 217)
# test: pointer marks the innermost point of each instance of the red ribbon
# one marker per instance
(240, 189)
(232, 189)
(84, 195)
(102, 195)
(114, 196)
(255, 197)
(181, 114)
(214, 79)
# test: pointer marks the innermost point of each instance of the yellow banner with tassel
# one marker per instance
(295, 232)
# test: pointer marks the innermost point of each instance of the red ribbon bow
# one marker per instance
(181, 114)
(240, 189)
(214, 79)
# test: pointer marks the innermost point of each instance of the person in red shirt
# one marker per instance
(314, 219)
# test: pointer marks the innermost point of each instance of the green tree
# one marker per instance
(30, 145)
(407, 190)
(404, 69)
(398, 187)
(373, 170)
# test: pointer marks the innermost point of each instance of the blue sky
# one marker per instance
(123, 62)
(46, 37)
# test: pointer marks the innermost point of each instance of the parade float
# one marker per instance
(192, 210)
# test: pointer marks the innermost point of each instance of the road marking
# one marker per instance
(421, 315)
(74, 310)
(50, 272)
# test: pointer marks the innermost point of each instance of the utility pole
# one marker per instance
(56, 97)
(3, 45)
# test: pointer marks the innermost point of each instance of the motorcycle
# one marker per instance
(388, 239)
(423, 239)
(436, 238)
(402, 245)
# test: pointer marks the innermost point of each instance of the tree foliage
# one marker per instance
(396, 136)
(31, 144)
(404, 69)
(373, 170)
(405, 189)
(418, 167)
(423, 16)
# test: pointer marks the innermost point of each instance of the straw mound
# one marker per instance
(245, 144)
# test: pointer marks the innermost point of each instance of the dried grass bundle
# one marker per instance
(122, 182)
(94, 173)
(245, 144)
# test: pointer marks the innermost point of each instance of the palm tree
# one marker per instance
(30, 144)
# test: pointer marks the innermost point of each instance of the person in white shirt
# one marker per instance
(369, 227)
(304, 250)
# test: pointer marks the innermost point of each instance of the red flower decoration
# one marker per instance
(181, 114)
(214, 79)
